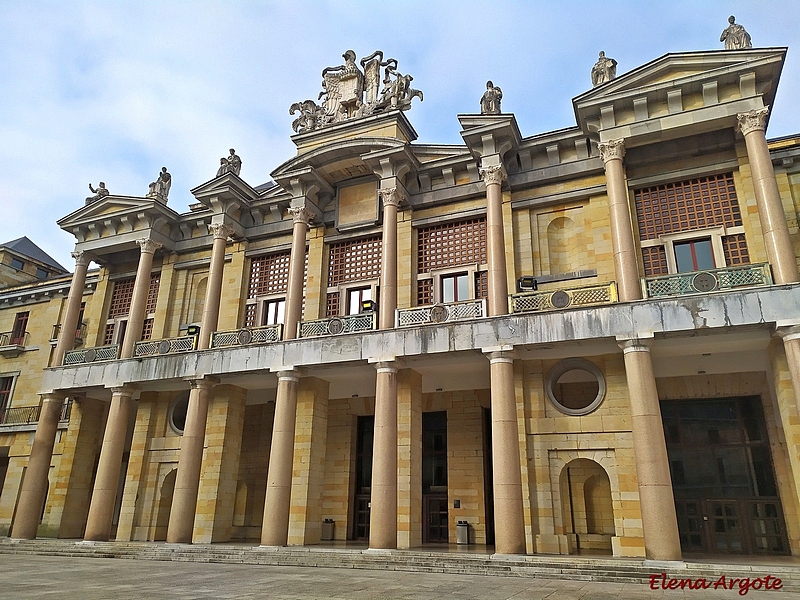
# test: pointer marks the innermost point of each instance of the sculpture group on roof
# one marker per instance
(99, 193)
(735, 36)
(349, 92)
(159, 189)
(231, 164)
(604, 70)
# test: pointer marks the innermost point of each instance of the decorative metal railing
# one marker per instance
(247, 336)
(576, 297)
(440, 313)
(91, 355)
(700, 282)
(80, 332)
(336, 325)
(7, 338)
(29, 415)
(184, 343)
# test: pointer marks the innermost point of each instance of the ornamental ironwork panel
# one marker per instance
(90, 355)
(440, 313)
(576, 297)
(700, 282)
(337, 325)
(185, 343)
(247, 336)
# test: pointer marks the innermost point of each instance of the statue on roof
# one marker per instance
(99, 193)
(232, 164)
(604, 70)
(490, 101)
(350, 92)
(159, 189)
(735, 36)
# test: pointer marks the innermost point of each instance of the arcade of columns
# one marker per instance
(655, 489)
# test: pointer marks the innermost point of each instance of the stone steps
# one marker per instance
(542, 566)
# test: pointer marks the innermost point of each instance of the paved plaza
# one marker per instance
(46, 577)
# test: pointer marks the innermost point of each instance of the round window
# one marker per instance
(177, 412)
(575, 386)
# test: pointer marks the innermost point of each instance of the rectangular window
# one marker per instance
(455, 287)
(266, 296)
(17, 264)
(694, 255)
(355, 297)
(20, 325)
(5, 392)
(41, 273)
(273, 311)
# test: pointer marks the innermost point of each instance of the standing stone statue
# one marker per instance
(604, 70)
(490, 101)
(232, 164)
(99, 193)
(159, 189)
(735, 36)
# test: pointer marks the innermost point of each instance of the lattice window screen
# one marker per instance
(269, 274)
(694, 204)
(109, 335)
(424, 292)
(147, 329)
(332, 305)
(655, 261)
(482, 284)
(121, 298)
(357, 260)
(451, 244)
(250, 312)
(735, 248)
(152, 294)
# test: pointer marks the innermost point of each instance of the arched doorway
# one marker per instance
(164, 506)
(587, 509)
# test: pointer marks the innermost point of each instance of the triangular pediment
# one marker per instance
(113, 206)
(675, 69)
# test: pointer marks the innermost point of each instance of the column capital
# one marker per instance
(124, 390)
(788, 332)
(221, 231)
(392, 196)
(388, 366)
(81, 257)
(754, 120)
(148, 246)
(493, 174)
(300, 214)
(612, 150)
(500, 354)
(204, 383)
(637, 344)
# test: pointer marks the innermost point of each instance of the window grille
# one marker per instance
(424, 292)
(147, 329)
(152, 293)
(482, 284)
(451, 245)
(269, 274)
(694, 204)
(655, 261)
(108, 338)
(121, 298)
(356, 260)
(735, 249)
(332, 305)
(250, 312)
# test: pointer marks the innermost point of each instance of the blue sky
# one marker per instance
(113, 91)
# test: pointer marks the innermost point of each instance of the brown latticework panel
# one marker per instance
(147, 329)
(250, 315)
(451, 245)
(655, 261)
(694, 204)
(121, 298)
(332, 305)
(109, 335)
(735, 247)
(482, 284)
(152, 294)
(357, 260)
(424, 292)
(269, 275)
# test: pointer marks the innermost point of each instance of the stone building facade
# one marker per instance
(585, 340)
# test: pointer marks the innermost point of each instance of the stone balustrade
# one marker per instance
(247, 336)
(440, 313)
(337, 325)
(184, 343)
(573, 297)
(91, 355)
(712, 280)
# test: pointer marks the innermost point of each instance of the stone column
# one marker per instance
(780, 253)
(791, 345)
(141, 287)
(190, 459)
(106, 483)
(383, 498)
(509, 523)
(297, 261)
(659, 523)
(69, 323)
(34, 485)
(495, 240)
(208, 324)
(391, 200)
(626, 266)
(275, 529)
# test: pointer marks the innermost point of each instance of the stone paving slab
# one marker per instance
(23, 577)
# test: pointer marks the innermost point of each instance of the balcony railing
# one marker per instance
(336, 325)
(440, 313)
(576, 297)
(29, 415)
(8, 338)
(701, 282)
(184, 343)
(80, 333)
(91, 355)
(247, 336)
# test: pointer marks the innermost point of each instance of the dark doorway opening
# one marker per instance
(726, 496)
(365, 430)
(488, 483)
(434, 477)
